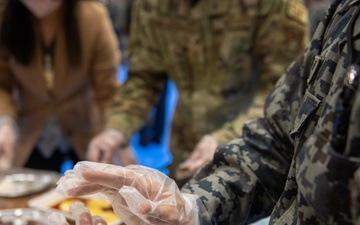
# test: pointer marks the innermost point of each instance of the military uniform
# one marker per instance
(298, 163)
(220, 54)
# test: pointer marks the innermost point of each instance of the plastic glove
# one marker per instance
(139, 195)
(202, 154)
(7, 145)
(102, 146)
(80, 213)
(56, 219)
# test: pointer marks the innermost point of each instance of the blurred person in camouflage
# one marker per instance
(221, 55)
(300, 163)
(118, 10)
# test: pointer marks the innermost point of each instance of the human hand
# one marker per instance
(202, 154)
(7, 144)
(102, 146)
(126, 156)
(139, 195)
(80, 213)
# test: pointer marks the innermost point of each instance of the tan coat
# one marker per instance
(80, 95)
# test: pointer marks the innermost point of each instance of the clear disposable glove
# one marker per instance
(80, 213)
(202, 154)
(102, 146)
(7, 144)
(139, 195)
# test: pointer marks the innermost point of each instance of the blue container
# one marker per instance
(154, 155)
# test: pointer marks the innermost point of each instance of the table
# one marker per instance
(19, 202)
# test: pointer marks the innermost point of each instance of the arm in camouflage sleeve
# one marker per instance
(281, 34)
(247, 175)
(146, 76)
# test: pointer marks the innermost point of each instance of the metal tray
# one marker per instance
(22, 182)
(23, 216)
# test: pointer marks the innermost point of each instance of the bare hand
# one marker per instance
(102, 147)
(202, 154)
(7, 145)
(126, 156)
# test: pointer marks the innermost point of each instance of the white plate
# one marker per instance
(24, 182)
(23, 216)
(50, 200)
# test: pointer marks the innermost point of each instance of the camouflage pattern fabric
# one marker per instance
(220, 54)
(298, 163)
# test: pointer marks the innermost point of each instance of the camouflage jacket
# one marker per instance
(215, 51)
(297, 163)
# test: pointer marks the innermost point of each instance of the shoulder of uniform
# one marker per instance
(292, 9)
(155, 7)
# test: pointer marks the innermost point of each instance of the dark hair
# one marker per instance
(17, 35)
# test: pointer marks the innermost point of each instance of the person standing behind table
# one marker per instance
(300, 163)
(58, 63)
(220, 54)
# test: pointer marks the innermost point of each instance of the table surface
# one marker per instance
(18, 202)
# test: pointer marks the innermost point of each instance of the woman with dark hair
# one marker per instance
(58, 62)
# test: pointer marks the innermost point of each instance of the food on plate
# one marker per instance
(102, 203)
(100, 207)
(65, 205)
(7, 187)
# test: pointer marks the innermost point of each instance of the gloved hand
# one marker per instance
(80, 213)
(139, 195)
(7, 144)
(102, 146)
(202, 154)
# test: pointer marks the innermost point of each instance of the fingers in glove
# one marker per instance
(127, 178)
(56, 219)
(97, 220)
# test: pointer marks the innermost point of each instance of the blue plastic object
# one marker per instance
(122, 73)
(157, 156)
(66, 165)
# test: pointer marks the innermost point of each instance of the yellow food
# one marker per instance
(100, 207)
(65, 204)
(100, 203)
(109, 216)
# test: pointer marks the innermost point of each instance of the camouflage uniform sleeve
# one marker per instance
(353, 147)
(247, 175)
(281, 34)
(146, 75)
